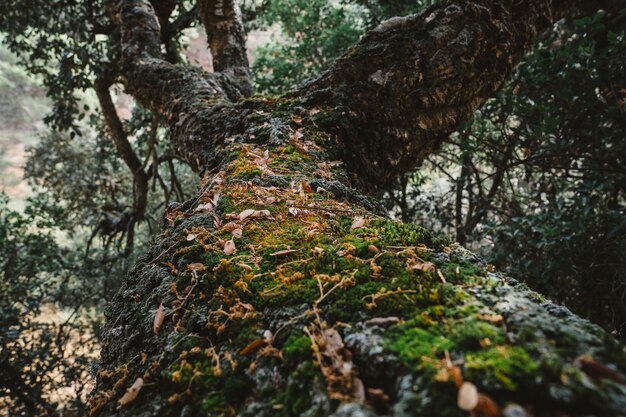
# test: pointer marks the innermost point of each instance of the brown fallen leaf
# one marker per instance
(245, 266)
(425, 267)
(491, 318)
(358, 223)
(357, 391)
(204, 207)
(487, 407)
(441, 277)
(196, 266)
(159, 316)
(467, 399)
(237, 233)
(382, 321)
(246, 213)
(261, 214)
(597, 370)
(172, 268)
(254, 345)
(132, 392)
(283, 252)
(306, 187)
(230, 226)
(229, 247)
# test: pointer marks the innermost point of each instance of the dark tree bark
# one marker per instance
(279, 289)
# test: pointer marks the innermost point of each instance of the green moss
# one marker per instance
(469, 334)
(438, 328)
(461, 272)
(245, 172)
(501, 367)
(414, 344)
(296, 398)
(296, 349)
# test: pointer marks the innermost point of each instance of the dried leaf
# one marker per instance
(237, 233)
(172, 268)
(597, 370)
(468, 397)
(382, 321)
(358, 223)
(204, 207)
(455, 373)
(196, 266)
(425, 267)
(293, 211)
(441, 277)
(333, 338)
(358, 390)
(254, 345)
(306, 187)
(373, 249)
(491, 318)
(246, 213)
(191, 237)
(159, 316)
(230, 226)
(132, 392)
(486, 407)
(229, 247)
(261, 214)
(245, 266)
(283, 252)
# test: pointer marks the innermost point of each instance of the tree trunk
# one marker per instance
(280, 289)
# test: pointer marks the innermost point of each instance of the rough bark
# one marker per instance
(126, 153)
(286, 293)
(227, 40)
(390, 101)
(408, 83)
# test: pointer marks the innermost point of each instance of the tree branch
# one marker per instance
(408, 83)
(186, 98)
(123, 147)
(227, 40)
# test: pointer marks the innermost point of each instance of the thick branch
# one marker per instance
(409, 83)
(186, 98)
(227, 40)
(124, 149)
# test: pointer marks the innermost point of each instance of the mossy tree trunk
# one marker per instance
(281, 289)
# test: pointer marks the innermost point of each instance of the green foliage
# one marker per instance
(57, 41)
(32, 343)
(312, 35)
